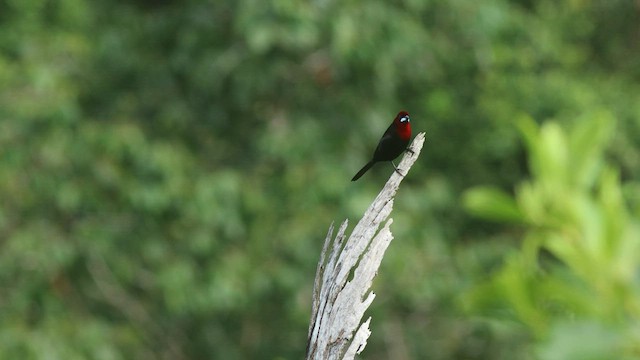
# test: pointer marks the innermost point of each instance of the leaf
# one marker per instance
(493, 204)
(553, 157)
(587, 143)
(581, 341)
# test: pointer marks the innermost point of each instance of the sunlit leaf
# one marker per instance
(493, 204)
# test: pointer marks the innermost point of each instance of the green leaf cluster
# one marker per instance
(574, 280)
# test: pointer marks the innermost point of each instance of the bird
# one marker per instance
(392, 143)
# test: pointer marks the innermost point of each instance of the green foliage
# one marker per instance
(574, 281)
(168, 171)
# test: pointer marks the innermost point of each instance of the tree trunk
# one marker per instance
(335, 331)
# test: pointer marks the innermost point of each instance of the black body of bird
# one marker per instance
(394, 141)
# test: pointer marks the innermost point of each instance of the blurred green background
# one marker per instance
(168, 171)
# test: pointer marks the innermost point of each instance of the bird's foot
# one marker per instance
(410, 150)
(396, 168)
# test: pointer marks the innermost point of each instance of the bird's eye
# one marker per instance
(404, 118)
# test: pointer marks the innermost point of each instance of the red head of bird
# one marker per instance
(403, 125)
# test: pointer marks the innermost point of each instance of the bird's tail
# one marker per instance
(363, 170)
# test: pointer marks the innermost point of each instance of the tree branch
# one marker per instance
(338, 305)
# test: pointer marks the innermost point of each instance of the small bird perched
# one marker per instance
(394, 141)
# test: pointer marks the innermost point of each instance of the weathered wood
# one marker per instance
(338, 304)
